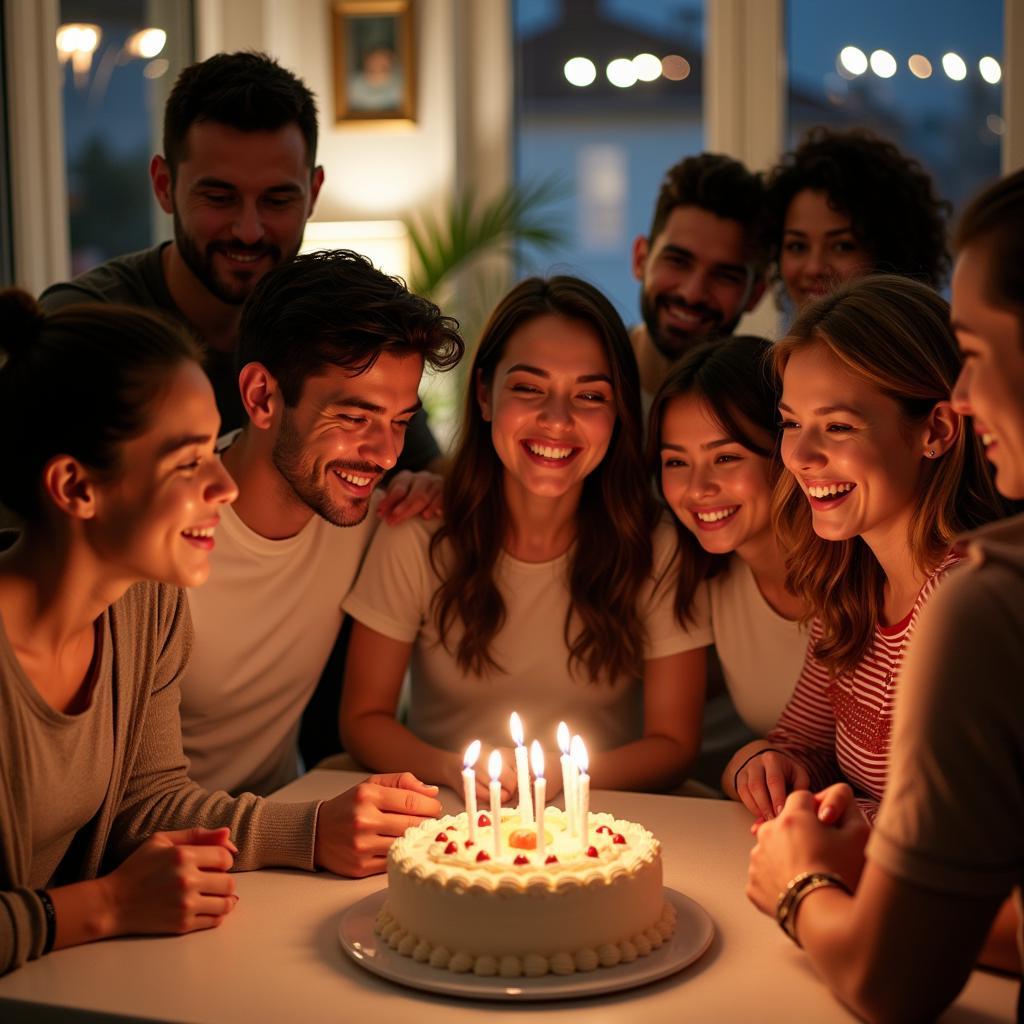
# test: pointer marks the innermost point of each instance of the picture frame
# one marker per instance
(374, 63)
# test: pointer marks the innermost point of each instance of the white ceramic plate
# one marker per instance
(693, 934)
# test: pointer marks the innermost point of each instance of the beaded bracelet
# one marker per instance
(756, 753)
(793, 895)
(51, 919)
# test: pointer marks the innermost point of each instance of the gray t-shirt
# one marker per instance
(138, 280)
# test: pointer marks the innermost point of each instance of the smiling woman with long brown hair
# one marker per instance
(881, 477)
(539, 593)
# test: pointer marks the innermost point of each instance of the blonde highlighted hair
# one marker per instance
(894, 334)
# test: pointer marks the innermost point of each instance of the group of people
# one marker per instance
(814, 497)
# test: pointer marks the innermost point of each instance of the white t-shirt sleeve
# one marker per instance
(396, 582)
(665, 633)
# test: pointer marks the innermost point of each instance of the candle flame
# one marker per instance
(472, 753)
(494, 765)
(579, 754)
(515, 724)
(563, 737)
(537, 759)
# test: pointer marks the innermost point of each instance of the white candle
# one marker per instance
(515, 725)
(568, 778)
(579, 756)
(539, 794)
(494, 769)
(469, 786)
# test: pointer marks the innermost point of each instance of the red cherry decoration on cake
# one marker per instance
(469, 843)
(619, 839)
(442, 837)
(603, 830)
(551, 859)
(451, 848)
(519, 860)
(591, 851)
(483, 821)
(482, 855)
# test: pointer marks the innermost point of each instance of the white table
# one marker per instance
(277, 956)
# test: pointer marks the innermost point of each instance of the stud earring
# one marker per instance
(931, 453)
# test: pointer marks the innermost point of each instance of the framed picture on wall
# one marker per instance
(374, 62)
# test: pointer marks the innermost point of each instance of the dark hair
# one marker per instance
(718, 184)
(894, 334)
(335, 308)
(612, 555)
(888, 197)
(77, 382)
(248, 91)
(996, 219)
(734, 380)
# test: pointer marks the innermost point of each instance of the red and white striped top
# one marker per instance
(838, 728)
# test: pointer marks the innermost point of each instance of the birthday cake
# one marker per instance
(469, 904)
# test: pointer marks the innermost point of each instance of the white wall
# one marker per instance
(370, 173)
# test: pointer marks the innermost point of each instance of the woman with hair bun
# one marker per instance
(845, 204)
(107, 431)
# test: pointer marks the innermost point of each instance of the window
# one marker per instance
(120, 59)
(924, 74)
(608, 97)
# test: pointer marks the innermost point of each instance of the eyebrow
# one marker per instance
(828, 234)
(827, 410)
(720, 443)
(586, 378)
(174, 444)
(228, 186)
(367, 406)
(679, 250)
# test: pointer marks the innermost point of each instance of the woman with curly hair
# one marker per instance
(882, 476)
(538, 592)
(845, 204)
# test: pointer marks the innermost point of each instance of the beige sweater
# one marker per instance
(146, 637)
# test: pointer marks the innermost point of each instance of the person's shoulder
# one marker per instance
(150, 600)
(413, 534)
(134, 278)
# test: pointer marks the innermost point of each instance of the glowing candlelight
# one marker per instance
(469, 786)
(515, 725)
(579, 756)
(539, 794)
(494, 770)
(568, 778)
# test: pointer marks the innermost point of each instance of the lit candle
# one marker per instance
(579, 756)
(568, 778)
(494, 768)
(469, 786)
(539, 794)
(522, 771)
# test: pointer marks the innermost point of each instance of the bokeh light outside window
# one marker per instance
(608, 97)
(924, 74)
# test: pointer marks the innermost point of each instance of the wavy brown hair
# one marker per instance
(612, 555)
(734, 380)
(894, 334)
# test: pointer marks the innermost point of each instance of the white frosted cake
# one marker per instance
(452, 904)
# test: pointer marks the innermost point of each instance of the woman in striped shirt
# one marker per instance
(882, 476)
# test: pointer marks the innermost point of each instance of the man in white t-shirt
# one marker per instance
(331, 352)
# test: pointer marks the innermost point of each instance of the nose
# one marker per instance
(961, 391)
(381, 448)
(555, 412)
(221, 489)
(248, 226)
(694, 289)
(703, 483)
(802, 452)
(816, 260)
